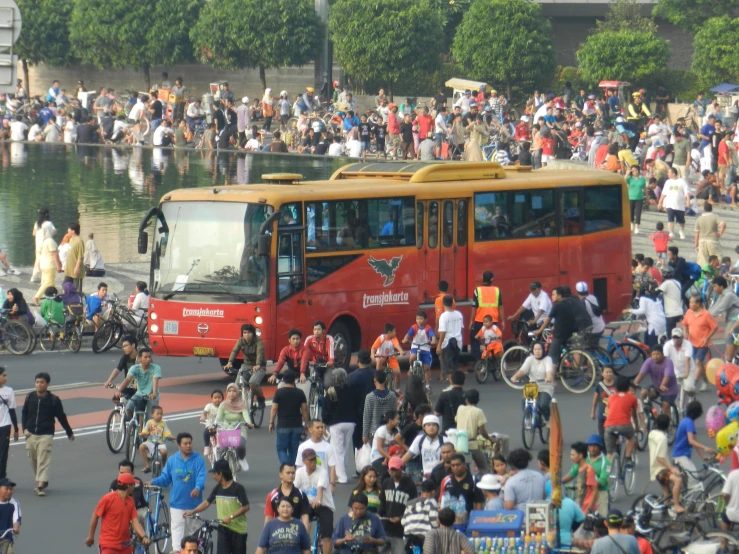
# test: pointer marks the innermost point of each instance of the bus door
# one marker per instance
(427, 241)
(572, 225)
(453, 246)
(292, 304)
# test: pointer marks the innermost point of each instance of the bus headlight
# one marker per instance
(154, 328)
(259, 332)
(258, 320)
(153, 316)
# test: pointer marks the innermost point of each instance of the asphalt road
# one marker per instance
(82, 470)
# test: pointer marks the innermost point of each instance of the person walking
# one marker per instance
(637, 186)
(290, 409)
(449, 341)
(450, 400)
(185, 473)
(486, 300)
(708, 229)
(40, 409)
(75, 257)
(42, 222)
(8, 418)
(362, 382)
(48, 260)
(473, 419)
(376, 404)
(699, 328)
(340, 414)
(399, 491)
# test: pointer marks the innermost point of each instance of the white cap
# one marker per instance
(245, 99)
(525, 118)
(677, 332)
(581, 287)
(283, 93)
(430, 419)
(619, 119)
(489, 482)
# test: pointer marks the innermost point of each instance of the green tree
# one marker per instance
(238, 34)
(118, 34)
(714, 45)
(386, 41)
(505, 40)
(44, 35)
(626, 15)
(691, 14)
(622, 55)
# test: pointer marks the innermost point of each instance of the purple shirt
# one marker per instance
(657, 372)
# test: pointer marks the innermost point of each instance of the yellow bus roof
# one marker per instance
(422, 180)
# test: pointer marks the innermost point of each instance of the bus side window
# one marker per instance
(448, 228)
(419, 224)
(533, 214)
(492, 216)
(433, 224)
(289, 265)
(462, 223)
(603, 208)
(570, 213)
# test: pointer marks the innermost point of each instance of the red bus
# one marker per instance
(370, 245)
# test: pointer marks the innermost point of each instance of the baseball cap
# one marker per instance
(615, 517)
(578, 124)
(677, 332)
(245, 99)
(220, 466)
(430, 419)
(123, 479)
(489, 482)
(5, 482)
(525, 118)
(395, 463)
(535, 285)
(596, 439)
(309, 454)
(581, 287)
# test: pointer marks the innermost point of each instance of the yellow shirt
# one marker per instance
(470, 418)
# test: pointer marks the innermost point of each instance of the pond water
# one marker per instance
(108, 190)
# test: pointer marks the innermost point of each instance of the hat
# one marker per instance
(283, 93)
(391, 106)
(310, 89)
(245, 99)
(5, 482)
(591, 97)
(636, 94)
(597, 440)
(123, 479)
(677, 332)
(581, 287)
(430, 419)
(577, 124)
(395, 463)
(467, 92)
(309, 453)
(525, 118)
(615, 516)
(220, 466)
(489, 482)
(493, 91)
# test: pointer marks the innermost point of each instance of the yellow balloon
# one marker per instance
(726, 438)
(712, 369)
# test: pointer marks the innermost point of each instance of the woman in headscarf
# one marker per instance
(43, 220)
(267, 109)
(70, 296)
(16, 306)
(49, 262)
(232, 413)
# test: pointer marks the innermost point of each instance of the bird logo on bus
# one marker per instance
(386, 268)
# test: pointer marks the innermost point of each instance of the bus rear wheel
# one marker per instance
(342, 344)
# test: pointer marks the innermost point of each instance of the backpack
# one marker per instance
(692, 271)
(597, 311)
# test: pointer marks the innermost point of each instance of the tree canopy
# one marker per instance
(384, 40)
(622, 55)
(238, 34)
(505, 40)
(691, 14)
(714, 50)
(626, 15)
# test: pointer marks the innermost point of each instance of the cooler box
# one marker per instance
(497, 523)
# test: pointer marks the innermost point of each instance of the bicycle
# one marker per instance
(115, 429)
(16, 336)
(204, 534)
(6, 541)
(156, 458)
(158, 527)
(385, 366)
(532, 419)
(213, 456)
(252, 403)
(228, 442)
(120, 320)
(317, 390)
(487, 365)
(651, 411)
(133, 428)
(622, 469)
(623, 356)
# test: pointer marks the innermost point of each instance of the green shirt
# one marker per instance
(682, 151)
(52, 310)
(228, 501)
(602, 469)
(636, 187)
(145, 379)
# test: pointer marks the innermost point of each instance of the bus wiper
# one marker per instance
(241, 297)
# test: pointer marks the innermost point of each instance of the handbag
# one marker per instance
(363, 457)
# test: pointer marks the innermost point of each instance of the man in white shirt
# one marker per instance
(464, 102)
(680, 353)
(451, 323)
(163, 134)
(537, 303)
(313, 481)
(671, 298)
(658, 131)
(35, 133)
(8, 420)
(51, 132)
(675, 196)
(336, 149)
(242, 119)
(253, 144)
(138, 109)
(18, 129)
(542, 111)
(594, 311)
(325, 452)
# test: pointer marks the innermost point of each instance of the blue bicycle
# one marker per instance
(532, 419)
(315, 545)
(157, 527)
(626, 358)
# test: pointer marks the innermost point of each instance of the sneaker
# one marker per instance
(206, 452)
(40, 492)
(703, 387)
(13, 271)
(672, 235)
(636, 231)
(244, 465)
(2, 273)
(682, 235)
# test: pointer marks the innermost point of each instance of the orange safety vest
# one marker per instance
(488, 299)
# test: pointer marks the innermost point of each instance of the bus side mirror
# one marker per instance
(143, 242)
(264, 246)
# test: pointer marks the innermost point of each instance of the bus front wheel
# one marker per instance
(342, 344)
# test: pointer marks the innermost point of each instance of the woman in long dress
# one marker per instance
(473, 150)
(44, 220)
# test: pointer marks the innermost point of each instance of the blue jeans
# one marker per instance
(288, 440)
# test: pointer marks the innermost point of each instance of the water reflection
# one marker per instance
(109, 189)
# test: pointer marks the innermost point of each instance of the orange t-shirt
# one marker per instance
(384, 347)
(620, 406)
(699, 326)
(117, 516)
(439, 305)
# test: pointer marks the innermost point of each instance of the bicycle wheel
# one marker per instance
(208, 548)
(528, 428)
(630, 475)
(233, 461)
(512, 361)
(257, 411)
(18, 337)
(674, 422)
(729, 543)
(627, 359)
(132, 436)
(481, 371)
(105, 337)
(115, 431)
(74, 340)
(313, 402)
(577, 371)
(543, 432)
(494, 368)
(163, 528)
(47, 337)
(614, 478)
(713, 507)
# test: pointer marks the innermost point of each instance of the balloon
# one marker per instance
(727, 381)
(712, 369)
(732, 412)
(715, 420)
(726, 438)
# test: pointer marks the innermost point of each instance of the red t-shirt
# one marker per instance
(547, 146)
(425, 125)
(620, 406)
(393, 125)
(117, 516)
(660, 240)
(655, 274)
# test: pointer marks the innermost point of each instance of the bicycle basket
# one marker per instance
(77, 310)
(229, 437)
(531, 391)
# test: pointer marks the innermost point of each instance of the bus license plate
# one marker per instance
(203, 351)
(171, 327)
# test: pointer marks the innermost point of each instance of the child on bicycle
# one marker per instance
(52, 307)
(660, 468)
(383, 352)
(292, 355)
(622, 410)
(491, 336)
(423, 338)
(156, 432)
(209, 418)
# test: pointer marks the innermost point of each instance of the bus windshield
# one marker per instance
(210, 248)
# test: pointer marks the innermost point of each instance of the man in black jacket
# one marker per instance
(361, 380)
(399, 491)
(449, 400)
(37, 418)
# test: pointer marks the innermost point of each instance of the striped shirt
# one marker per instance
(375, 406)
(446, 540)
(420, 516)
